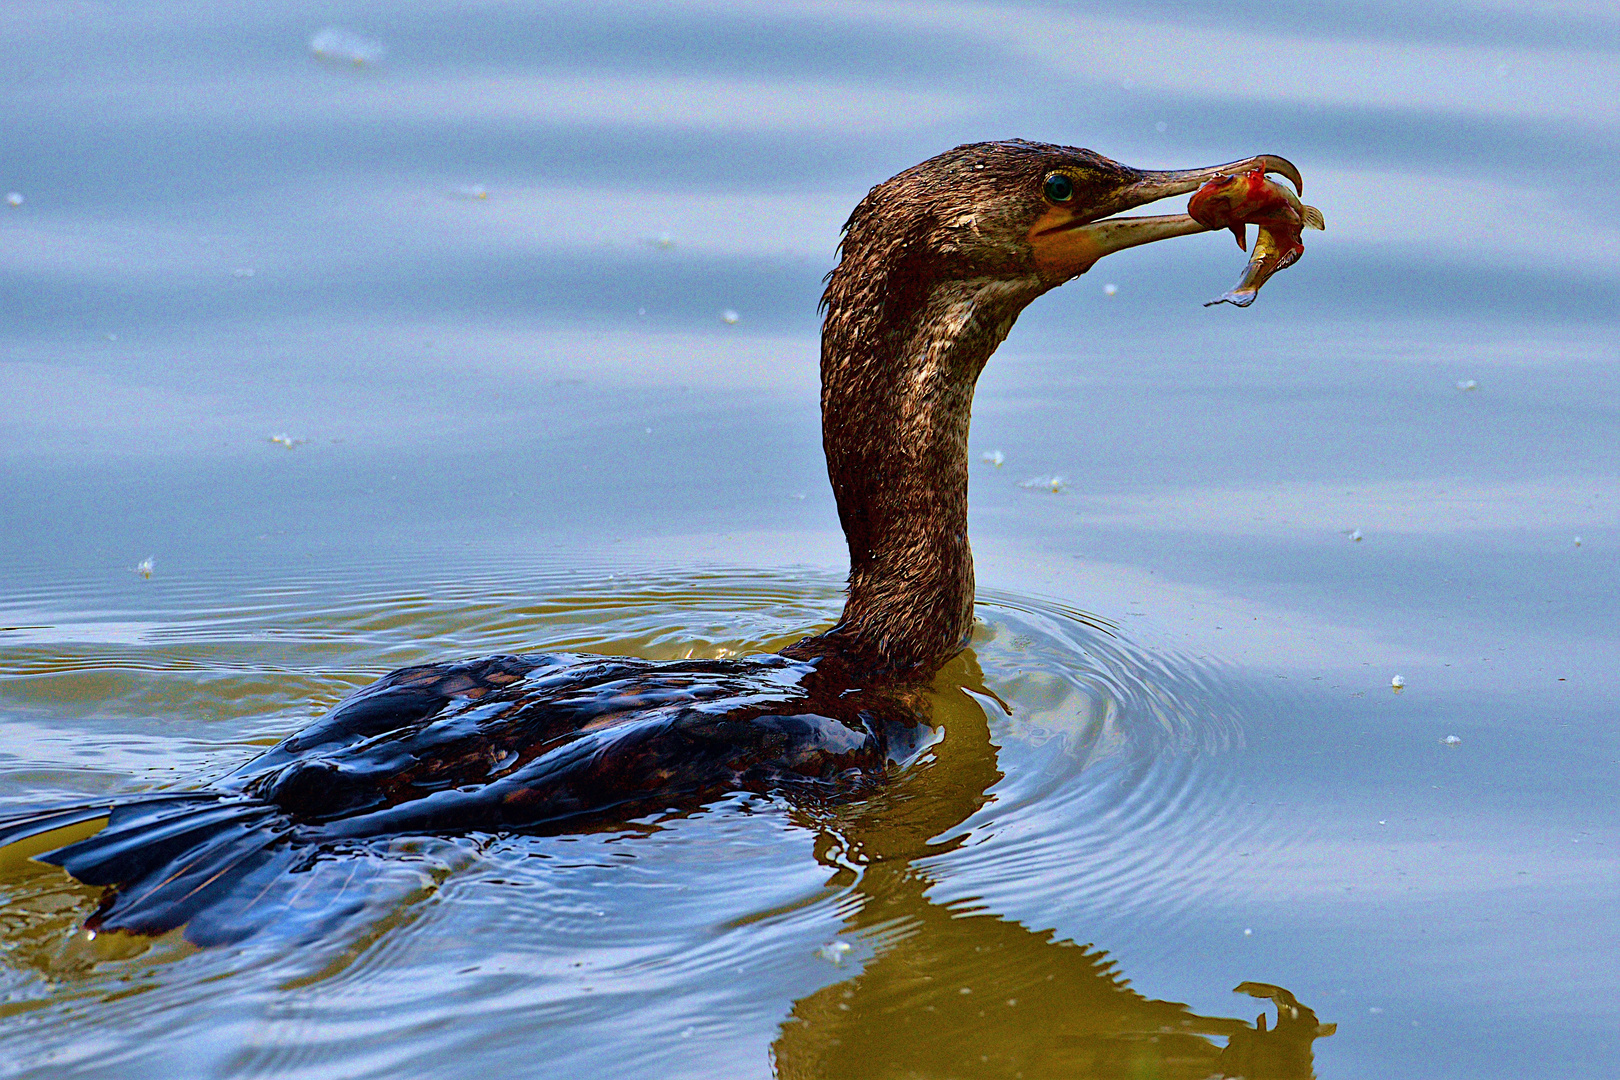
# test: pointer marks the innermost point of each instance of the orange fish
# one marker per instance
(1252, 198)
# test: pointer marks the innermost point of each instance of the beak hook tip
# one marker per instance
(1285, 168)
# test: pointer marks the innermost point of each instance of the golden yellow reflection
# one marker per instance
(967, 994)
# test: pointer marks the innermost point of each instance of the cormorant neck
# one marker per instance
(898, 370)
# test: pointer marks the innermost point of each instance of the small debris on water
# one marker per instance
(1467, 384)
(145, 567)
(1398, 683)
(730, 317)
(1044, 483)
(1110, 289)
(242, 271)
(283, 439)
(996, 457)
(1248, 931)
(336, 45)
(1577, 541)
(834, 952)
(14, 198)
(472, 191)
(1354, 534)
(1451, 740)
(662, 241)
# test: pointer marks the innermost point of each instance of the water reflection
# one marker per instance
(481, 380)
(1084, 793)
(955, 991)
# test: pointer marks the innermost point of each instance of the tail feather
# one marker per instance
(143, 837)
(22, 837)
(207, 893)
(201, 860)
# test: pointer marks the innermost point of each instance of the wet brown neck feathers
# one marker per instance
(909, 325)
(935, 265)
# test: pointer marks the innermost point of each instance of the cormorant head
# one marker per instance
(1019, 211)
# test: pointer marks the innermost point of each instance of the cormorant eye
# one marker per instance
(1059, 188)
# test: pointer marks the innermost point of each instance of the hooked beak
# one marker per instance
(1068, 241)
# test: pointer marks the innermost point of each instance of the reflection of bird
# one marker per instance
(954, 991)
(936, 265)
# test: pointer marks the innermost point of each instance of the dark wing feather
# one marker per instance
(538, 743)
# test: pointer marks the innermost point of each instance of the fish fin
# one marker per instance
(1243, 241)
(1237, 298)
(1313, 218)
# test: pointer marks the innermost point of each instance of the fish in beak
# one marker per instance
(1069, 240)
(1251, 198)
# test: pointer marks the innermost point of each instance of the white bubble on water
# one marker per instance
(345, 46)
(835, 952)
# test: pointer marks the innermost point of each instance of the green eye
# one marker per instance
(1059, 188)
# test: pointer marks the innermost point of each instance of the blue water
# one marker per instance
(477, 285)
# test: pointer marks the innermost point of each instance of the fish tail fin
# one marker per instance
(200, 860)
(1313, 218)
(1243, 241)
(1237, 298)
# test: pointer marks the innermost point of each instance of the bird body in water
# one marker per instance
(935, 266)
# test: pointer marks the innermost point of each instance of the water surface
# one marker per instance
(476, 283)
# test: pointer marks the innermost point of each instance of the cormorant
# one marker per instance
(935, 266)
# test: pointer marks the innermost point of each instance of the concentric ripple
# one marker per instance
(1113, 799)
(1076, 774)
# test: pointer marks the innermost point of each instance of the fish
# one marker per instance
(1252, 198)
